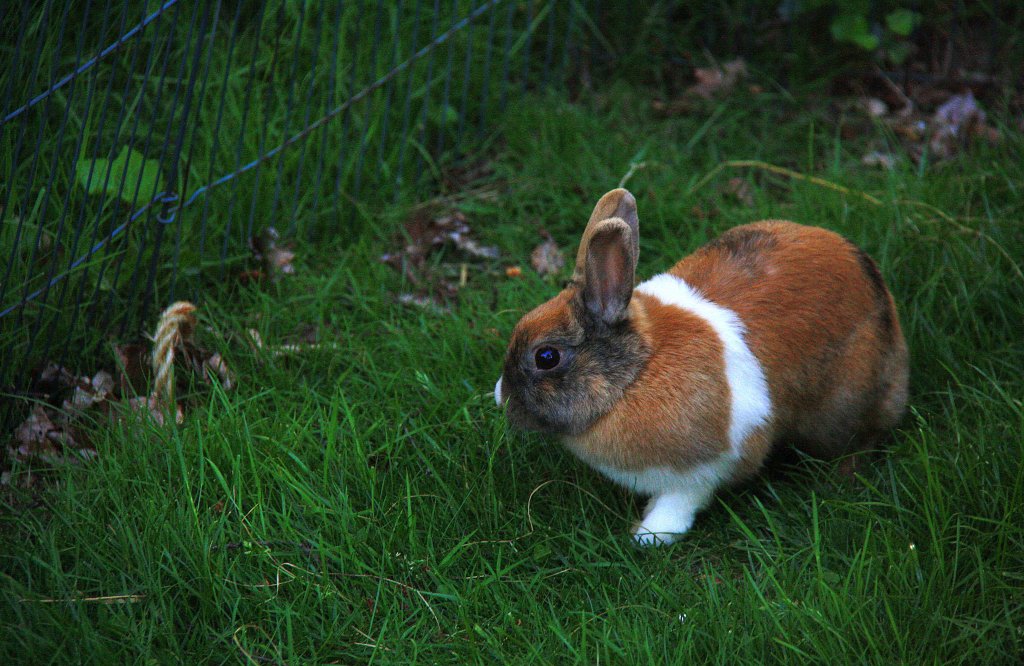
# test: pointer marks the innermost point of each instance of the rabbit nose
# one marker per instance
(497, 391)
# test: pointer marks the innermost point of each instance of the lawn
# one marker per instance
(365, 501)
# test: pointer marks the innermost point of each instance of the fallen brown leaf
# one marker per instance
(24, 480)
(215, 365)
(153, 407)
(741, 190)
(133, 368)
(957, 120)
(547, 259)
(246, 277)
(424, 233)
(276, 260)
(424, 302)
(873, 106)
(712, 81)
(701, 213)
(954, 124)
(879, 159)
(39, 438)
(54, 380)
(89, 392)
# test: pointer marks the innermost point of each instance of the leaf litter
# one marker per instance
(429, 232)
(53, 432)
(275, 258)
(547, 258)
(956, 121)
(714, 82)
(740, 190)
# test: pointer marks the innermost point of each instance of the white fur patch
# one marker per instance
(497, 391)
(669, 516)
(678, 496)
(750, 401)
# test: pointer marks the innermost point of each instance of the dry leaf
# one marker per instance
(958, 112)
(712, 81)
(873, 106)
(245, 277)
(54, 380)
(255, 338)
(153, 407)
(513, 271)
(425, 233)
(878, 159)
(424, 302)
(701, 213)
(276, 260)
(39, 438)
(741, 190)
(90, 392)
(24, 480)
(215, 365)
(909, 128)
(955, 122)
(547, 258)
(133, 368)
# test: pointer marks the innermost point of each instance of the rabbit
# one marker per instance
(774, 332)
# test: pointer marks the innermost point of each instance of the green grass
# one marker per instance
(369, 504)
(262, 76)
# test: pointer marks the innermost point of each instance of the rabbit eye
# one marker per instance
(547, 358)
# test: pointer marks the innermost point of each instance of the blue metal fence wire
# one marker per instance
(91, 243)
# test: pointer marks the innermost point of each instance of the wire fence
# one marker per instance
(143, 144)
(145, 147)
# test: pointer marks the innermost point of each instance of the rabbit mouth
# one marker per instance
(522, 419)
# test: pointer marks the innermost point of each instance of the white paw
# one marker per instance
(646, 539)
(667, 518)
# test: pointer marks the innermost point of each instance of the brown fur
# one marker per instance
(645, 385)
(821, 323)
(671, 416)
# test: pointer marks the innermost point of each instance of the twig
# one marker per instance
(111, 599)
(782, 171)
(977, 233)
(529, 501)
(908, 104)
(633, 168)
(255, 658)
(437, 621)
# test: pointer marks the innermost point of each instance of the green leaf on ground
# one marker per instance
(853, 28)
(130, 177)
(902, 21)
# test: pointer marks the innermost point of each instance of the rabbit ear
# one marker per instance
(615, 204)
(608, 270)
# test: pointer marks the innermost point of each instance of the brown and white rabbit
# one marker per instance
(774, 332)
